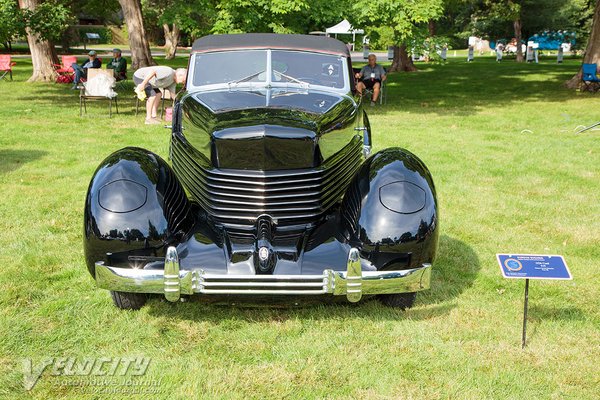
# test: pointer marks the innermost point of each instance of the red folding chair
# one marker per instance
(6, 66)
(64, 70)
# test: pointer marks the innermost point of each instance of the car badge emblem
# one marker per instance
(263, 253)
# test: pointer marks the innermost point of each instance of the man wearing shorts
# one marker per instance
(370, 77)
(151, 80)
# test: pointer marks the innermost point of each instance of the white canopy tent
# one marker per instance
(344, 28)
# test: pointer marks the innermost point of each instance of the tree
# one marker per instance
(174, 17)
(165, 14)
(171, 39)
(138, 42)
(592, 51)
(404, 17)
(45, 22)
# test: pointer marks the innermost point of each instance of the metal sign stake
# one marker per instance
(524, 338)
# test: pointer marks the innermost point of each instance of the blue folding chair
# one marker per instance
(589, 78)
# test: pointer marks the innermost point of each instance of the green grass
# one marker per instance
(511, 176)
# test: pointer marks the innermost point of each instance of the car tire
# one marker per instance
(128, 301)
(399, 300)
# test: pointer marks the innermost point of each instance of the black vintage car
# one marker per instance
(271, 191)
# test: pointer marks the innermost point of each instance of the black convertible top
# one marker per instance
(319, 44)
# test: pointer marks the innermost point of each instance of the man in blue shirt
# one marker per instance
(81, 70)
(370, 77)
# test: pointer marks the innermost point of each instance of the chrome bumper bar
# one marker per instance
(174, 282)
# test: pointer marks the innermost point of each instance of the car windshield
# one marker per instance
(269, 67)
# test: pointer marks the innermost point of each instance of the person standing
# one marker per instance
(118, 64)
(370, 77)
(81, 70)
(149, 81)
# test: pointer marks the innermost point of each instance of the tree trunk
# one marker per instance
(171, 40)
(43, 54)
(431, 27)
(402, 61)
(592, 50)
(140, 49)
(517, 25)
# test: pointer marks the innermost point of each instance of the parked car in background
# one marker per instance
(271, 191)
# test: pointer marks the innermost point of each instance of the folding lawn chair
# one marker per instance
(589, 78)
(64, 70)
(6, 66)
(84, 95)
(382, 91)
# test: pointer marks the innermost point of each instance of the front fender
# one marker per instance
(390, 211)
(135, 206)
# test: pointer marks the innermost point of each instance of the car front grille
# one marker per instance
(289, 197)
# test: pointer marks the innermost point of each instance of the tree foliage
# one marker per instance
(49, 20)
(279, 16)
(11, 21)
(403, 18)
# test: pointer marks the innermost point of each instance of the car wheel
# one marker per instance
(128, 301)
(399, 300)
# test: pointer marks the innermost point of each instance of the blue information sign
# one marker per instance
(533, 266)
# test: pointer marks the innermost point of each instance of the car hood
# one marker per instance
(268, 128)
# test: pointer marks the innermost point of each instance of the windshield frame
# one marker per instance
(268, 83)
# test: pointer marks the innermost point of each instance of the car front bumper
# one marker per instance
(174, 282)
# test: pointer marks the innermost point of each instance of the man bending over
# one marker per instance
(150, 80)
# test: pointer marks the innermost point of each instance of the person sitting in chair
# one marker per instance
(150, 80)
(118, 64)
(370, 77)
(81, 70)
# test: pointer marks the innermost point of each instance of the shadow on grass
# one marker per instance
(11, 159)
(454, 271)
(63, 95)
(540, 313)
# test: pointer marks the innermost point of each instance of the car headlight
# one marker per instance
(122, 196)
(402, 197)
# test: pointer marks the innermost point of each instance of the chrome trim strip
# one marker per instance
(260, 292)
(263, 284)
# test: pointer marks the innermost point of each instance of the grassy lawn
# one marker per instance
(511, 175)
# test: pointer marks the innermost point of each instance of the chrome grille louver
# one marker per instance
(176, 206)
(290, 197)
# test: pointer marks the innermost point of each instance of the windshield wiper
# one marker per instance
(247, 78)
(291, 78)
